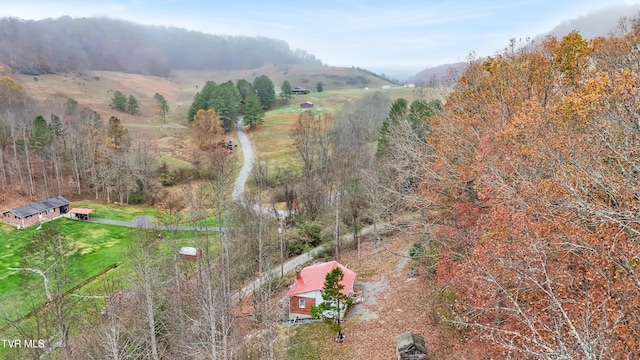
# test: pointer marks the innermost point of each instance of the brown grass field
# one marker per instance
(273, 144)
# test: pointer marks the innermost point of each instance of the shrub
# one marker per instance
(303, 237)
(136, 197)
(326, 252)
(168, 178)
(416, 250)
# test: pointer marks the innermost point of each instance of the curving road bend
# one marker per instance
(249, 160)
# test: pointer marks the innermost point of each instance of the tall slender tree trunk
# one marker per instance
(3, 170)
(44, 179)
(16, 162)
(56, 167)
(29, 168)
(76, 169)
(151, 320)
(337, 226)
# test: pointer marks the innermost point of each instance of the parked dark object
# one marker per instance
(410, 346)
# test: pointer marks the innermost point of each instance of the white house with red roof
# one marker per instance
(306, 290)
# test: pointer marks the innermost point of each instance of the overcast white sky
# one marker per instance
(393, 37)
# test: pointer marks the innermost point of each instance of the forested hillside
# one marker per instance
(67, 44)
(527, 191)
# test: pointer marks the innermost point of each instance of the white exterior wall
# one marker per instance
(317, 295)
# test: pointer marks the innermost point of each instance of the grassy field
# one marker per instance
(95, 248)
(114, 211)
(316, 341)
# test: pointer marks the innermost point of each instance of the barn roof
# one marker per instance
(81, 211)
(36, 207)
(312, 278)
(188, 250)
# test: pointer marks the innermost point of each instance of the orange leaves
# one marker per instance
(204, 128)
(571, 56)
(541, 150)
(583, 104)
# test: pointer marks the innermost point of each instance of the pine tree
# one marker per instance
(119, 101)
(132, 105)
(286, 92)
(333, 300)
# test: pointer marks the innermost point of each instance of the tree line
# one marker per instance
(228, 100)
(79, 44)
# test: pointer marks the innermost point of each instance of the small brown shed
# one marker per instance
(306, 105)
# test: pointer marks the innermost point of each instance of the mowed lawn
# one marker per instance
(95, 247)
(114, 211)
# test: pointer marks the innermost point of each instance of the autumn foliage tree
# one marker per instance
(529, 182)
(204, 127)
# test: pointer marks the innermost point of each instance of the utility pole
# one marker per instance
(281, 251)
(281, 230)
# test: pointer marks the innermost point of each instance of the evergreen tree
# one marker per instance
(253, 115)
(265, 90)
(132, 105)
(119, 101)
(41, 133)
(286, 91)
(319, 87)
(201, 99)
(333, 300)
(245, 89)
(417, 114)
(225, 100)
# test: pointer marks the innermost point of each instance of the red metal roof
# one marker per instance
(81, 211)
(312, 278)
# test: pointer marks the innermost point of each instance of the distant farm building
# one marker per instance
(36, 212)
(80, 213)
(300, 91)
(306, 105)
(306, 290)
(190, 253)
(386, 87)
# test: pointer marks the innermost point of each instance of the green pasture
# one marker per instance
(95, 248)
(129, 212)
(114, 211)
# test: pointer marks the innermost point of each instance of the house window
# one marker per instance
(49, 211)
(301, 303)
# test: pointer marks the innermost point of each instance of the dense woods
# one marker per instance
(67, 44)
(528, 187)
